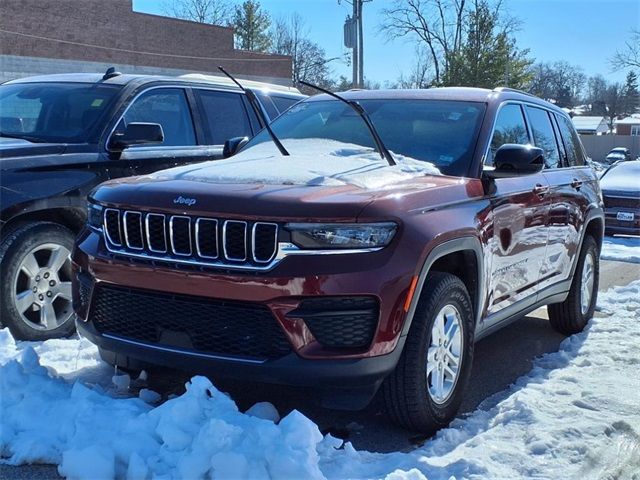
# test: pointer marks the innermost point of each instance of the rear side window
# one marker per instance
(283, 103)
(571, 142)
(543, 136)
(169, 108)
(510, 127)
(268, 105)
(225, 114)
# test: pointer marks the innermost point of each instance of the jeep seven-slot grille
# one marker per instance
(209, 241)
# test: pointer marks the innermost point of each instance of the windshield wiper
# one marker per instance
(382, 150)
(257, 106)
(22, 137)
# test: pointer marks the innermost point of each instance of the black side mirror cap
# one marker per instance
(514, 160)
(137, 133)
(233, 146)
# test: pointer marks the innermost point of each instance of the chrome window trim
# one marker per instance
(106, 229)
(164, 231)
(126, 229)
(180, 351)
(253, 242)
(173, 247)
(224, 240)
(202, 219)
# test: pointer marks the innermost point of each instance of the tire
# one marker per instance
(35, 274)
(409, 393)
(571, 316)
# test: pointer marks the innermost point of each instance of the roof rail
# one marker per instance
(513, 90)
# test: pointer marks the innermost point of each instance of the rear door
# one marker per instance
(519, 208)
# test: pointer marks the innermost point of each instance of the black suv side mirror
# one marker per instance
(513, 160)
(233, 145)
(137, 133)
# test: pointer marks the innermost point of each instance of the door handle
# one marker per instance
(541, 190)
(576, 184)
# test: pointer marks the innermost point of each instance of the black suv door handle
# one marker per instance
(576, 183)
(541, 190)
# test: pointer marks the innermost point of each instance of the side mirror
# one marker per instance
(137, 133)
(233, 145)
(513, 160)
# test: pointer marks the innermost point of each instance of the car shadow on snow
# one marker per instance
(500, 360)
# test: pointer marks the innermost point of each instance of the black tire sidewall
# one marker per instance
(15, 245)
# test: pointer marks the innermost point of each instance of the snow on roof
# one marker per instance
(590, 123)
(632, 120)
(199, 77)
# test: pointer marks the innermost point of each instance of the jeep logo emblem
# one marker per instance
(180, 200)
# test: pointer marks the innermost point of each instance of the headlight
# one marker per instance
(341, 235)
(94, 216)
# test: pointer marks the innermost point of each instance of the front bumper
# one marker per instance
(345, 378)
(613, 225)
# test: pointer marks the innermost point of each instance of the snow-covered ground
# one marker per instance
(576, 414)
(625, 249)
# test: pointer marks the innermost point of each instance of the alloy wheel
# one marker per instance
(444, 354)
(588, 277)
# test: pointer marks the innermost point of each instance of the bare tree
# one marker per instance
(420, 75)
(629, 57)
(215, 12)
(560, 82)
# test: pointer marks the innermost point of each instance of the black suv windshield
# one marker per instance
(53, 112)
(441, 132)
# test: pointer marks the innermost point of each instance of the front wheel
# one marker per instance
(572, 315)
(35, 273)
(426, 389)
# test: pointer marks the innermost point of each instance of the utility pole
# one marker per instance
(360, 45)
(355, 57)
(354, 39)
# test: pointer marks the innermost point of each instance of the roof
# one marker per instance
(590, 123)
(632, 120)
(124, 79)
(469, 94)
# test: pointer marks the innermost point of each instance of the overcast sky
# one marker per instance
(583, 32)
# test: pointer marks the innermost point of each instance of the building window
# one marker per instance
(635, 130)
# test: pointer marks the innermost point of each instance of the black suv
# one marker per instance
(61, 135)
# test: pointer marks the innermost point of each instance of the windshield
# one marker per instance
(53, 112)
(440, 132)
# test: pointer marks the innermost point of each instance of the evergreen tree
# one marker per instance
(631, 94)
(251, 24)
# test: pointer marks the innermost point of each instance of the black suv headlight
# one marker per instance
(341, 235)
(94, 216)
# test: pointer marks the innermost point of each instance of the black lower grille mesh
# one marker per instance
(340, 322)
(192, 323)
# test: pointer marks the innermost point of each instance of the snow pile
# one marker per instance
(575, 415)
(626, 249)
(323, 163)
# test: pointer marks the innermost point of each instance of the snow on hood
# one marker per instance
(323, 163)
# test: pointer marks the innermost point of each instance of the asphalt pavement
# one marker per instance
(499, 360)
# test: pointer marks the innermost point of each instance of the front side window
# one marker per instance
(169, 108)
(543, 136)
(440, 132)
(225, 115)
(54, 112)
(510, 127)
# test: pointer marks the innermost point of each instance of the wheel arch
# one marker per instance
(594, 224)
(72, 218)
(462, 257)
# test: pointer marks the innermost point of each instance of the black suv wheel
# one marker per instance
(425, 390)
(35, 273)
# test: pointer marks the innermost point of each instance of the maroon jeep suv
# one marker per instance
(363, 244)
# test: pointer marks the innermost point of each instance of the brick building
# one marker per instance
(60, 36)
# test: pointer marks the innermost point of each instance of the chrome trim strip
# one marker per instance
(253, 242)
(224, 240)
(182, 352)
(173, 248)
(285, 249)
(164, 231)
(215, 221)
(126, 229)
(106, 229)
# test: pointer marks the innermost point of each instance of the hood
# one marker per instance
(335, 183)
(17, 147)
(622, 177)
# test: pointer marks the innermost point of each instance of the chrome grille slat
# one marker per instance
(213, 242)
(230, 230)
(133, 235)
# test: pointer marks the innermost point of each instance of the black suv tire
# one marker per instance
(406, 392)
(52, 290)
(570, 317)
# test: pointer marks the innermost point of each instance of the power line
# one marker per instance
(168, 55)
